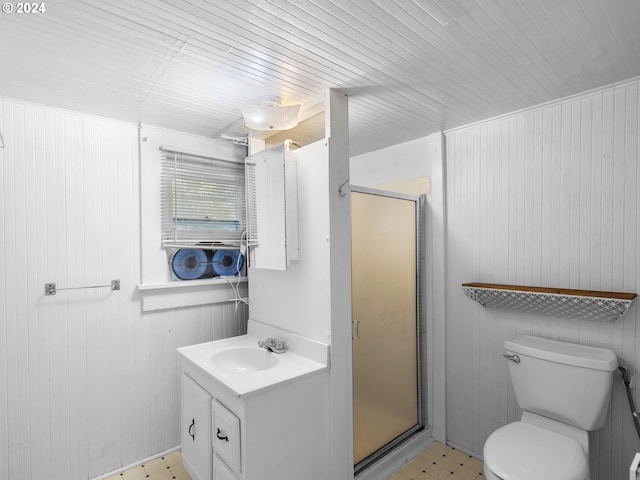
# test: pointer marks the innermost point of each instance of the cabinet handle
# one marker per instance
(221, 437)
(193, 422)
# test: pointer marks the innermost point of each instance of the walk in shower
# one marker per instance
(387, 273)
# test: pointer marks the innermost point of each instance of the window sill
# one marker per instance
(161, 296)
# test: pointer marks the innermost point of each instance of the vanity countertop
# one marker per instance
(246, 369)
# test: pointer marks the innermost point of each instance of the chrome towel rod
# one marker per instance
(51, 289)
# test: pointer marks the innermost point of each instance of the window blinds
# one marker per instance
(203, 200)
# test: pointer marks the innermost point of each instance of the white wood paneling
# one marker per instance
(88, 383)
(299, 299)
(410, 160)
(550, 197)
(410, 68)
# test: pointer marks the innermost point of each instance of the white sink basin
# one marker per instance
(246, 369)
(244, 359)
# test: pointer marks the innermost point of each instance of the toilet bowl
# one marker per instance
(551, 379)
(524, 451)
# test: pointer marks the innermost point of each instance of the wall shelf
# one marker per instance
(560, 302)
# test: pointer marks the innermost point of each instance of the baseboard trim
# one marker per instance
(137, 464)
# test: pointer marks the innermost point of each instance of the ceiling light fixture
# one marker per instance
(270, 115)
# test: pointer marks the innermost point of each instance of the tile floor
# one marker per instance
(441, 462)
(438, 462)
(168, 467)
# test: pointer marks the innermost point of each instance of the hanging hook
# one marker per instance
(341, 192)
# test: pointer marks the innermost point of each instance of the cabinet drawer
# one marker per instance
(226, 436)
(221, 471)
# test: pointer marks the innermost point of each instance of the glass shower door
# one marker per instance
(386, 386)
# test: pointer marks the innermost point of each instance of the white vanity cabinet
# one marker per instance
(209, 429)
(279, 432)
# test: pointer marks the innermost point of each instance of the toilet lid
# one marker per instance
(521, 451)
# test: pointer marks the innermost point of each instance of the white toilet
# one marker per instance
(564, 391)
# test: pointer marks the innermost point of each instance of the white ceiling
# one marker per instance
(410, 67)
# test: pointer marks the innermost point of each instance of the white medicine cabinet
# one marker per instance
(272, 207)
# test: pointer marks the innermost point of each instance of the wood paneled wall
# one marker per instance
(550, 197)
(88, 383)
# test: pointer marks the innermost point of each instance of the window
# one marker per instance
(203, 200)
(159, 287)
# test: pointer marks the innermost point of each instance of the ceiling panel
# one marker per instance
(409, 67)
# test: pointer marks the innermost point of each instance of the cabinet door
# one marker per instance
(226, 436)
(272, 207)
(196, 429)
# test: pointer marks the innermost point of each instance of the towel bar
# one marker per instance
(51, 289)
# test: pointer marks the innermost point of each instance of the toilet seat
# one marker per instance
(521, 451)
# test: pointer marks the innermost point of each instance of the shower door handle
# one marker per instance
(356, 324)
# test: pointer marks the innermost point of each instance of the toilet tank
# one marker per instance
(564, 381)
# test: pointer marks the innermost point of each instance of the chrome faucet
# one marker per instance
(275, 346)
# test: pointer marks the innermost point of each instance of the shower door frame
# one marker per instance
(420, 209)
